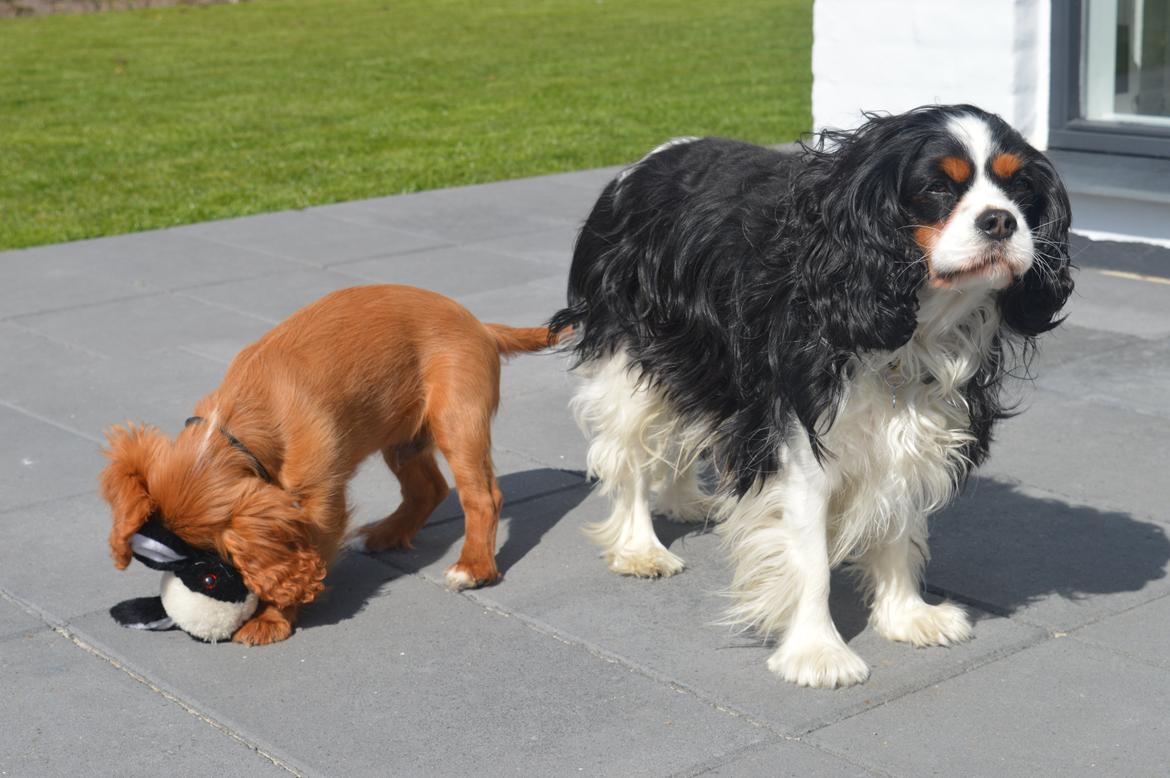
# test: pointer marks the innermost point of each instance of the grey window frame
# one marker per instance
(1066, 128)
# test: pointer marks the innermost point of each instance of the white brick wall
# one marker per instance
(892, 55)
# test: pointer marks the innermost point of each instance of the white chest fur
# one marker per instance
(899, 438)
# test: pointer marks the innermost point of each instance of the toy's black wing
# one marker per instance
(142, 613)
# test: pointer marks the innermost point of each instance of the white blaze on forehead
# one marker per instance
(974, 133)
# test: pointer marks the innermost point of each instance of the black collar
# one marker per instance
(257, 465)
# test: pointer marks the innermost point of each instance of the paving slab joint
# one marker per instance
(224, 729)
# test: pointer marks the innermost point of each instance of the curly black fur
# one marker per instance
(742, 281)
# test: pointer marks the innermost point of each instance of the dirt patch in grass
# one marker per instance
(9, 8)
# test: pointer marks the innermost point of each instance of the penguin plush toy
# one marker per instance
(201, 593)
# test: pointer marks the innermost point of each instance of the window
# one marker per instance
(1111, 76)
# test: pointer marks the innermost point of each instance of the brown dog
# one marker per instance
(260, 473)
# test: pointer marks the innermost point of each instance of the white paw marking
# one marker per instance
(458, 579)
(819, 665)
(652, 562)
(923, 625)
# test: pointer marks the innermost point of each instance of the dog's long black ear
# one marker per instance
(860, 267)
(143, 613)
(1031, 304)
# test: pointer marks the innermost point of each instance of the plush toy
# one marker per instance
(201, 593)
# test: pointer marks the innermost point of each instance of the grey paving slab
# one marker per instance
(148, 323)
(48, 278)
(1122, 305)
(473, 213)
(452, 270)
(786, 758)
(15, 621)
(276, 297)
(1061, 708)
(55, 277)
(538, 423)
(554, 577)
(524, 304)
(593, 180)
(1134, 376)
(68, 712)
(553, 247)
(87, 392)
(1090, 452)
(56, 558)
(422, 681)
(311, 237)
(1141, 633)
(1069, 344)
(39, 461)
(1046, 559)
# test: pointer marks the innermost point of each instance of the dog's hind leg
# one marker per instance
(679, 494)
(423, 488)
(625, 420)
(459, 416)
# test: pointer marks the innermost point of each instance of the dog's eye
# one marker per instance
(210, 580)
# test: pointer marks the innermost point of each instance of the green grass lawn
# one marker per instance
(126, 121)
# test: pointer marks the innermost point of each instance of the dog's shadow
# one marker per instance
(1000, 550)
(996, 549)
(356, 578)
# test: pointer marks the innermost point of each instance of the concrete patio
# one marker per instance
(1059, 547)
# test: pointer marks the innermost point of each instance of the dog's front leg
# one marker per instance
(893, 574)
(779, 543)
(269, 624)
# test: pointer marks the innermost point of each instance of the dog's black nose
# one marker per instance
(996, 223)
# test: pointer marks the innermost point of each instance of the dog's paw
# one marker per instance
(380, 536)
(463, 576)
(923, 625)
(826, 665)
(263, 629)
(650, 562)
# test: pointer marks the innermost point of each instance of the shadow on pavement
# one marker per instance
(1005, 550)
(356, 578)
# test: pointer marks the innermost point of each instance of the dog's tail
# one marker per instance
(512, 340)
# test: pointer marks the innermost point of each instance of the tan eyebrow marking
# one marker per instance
(956, 168)
(1005, 165)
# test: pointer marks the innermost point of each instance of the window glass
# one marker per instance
(1126, 61)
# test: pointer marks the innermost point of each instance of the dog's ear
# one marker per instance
(1029, 306)
(273, 544)
(859, 265)
(132, 451)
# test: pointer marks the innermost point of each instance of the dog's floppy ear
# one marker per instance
(132, 451)
(273, 544)
(860, 268)
(1029, 306)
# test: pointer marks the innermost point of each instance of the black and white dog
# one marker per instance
(831, 329)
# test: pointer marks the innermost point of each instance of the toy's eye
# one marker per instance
(209, 581)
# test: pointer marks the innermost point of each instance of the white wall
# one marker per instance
(891, 55)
